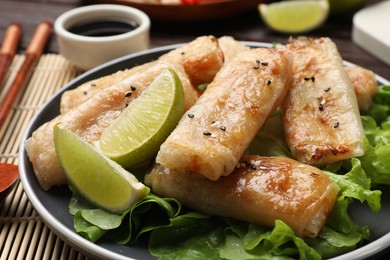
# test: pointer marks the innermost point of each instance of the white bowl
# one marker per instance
(87, 52)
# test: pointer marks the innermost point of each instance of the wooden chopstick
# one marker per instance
(32, 55)
(8, 49)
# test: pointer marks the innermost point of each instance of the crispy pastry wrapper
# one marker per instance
(320, 112)
(260, 190)
(212, 136)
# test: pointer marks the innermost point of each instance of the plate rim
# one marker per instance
(89, 248)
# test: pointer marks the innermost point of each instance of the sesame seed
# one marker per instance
(268, 82)
(93, 85)
(182, 53)
(327, 89)
(264, 63)
(319, 97)
(206, 133)
(85, 92)
(306, 78)
(336, 125)
(191, 115)
(128, 94)
(257, 61)
(321, 107)
(256, 67)
(127, 104)
(133, 88)
(223, 128)
(313, 78)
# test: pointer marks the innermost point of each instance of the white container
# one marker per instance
(87, 52)
(371, 30)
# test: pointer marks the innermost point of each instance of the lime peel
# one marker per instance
(95, 177)
(297, 16)
(136, 135)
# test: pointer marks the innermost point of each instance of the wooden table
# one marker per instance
(22, 233)
(246, 27)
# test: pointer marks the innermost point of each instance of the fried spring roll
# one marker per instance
(231, 47)
(212, 136)
(260, 191)
(89, 119)
(320, 112)
(201, 58)
(364, 84)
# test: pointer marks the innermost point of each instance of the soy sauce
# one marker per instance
(103, 27)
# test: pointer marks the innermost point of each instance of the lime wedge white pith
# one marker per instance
(296, 16)
(98, 179)
(143, 126)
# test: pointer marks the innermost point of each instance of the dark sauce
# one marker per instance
(103, 27)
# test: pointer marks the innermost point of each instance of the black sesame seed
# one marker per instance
(256, 67)
(306, 78)
(223, 128)
(93, 85)
(191, 115)
(127, 104)
(133, 88)
(257, 61)
(85, 92)
(264, 63)
(128, 94)
(182, 53)
(336, 125)
(213, 122)
(313, 78)
(321, 107)
(327, 89)
(206, 133)
(268, 82)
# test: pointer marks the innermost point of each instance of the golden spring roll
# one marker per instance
(364, 84)
(89, 119)
(201, 59)
(211, 137)
(231, 47)
(259, 191)
(320, 112)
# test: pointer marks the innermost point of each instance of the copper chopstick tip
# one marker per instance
(40, 37)
(11, 39)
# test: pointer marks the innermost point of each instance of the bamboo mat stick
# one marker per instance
(33, 53)
(8, 49)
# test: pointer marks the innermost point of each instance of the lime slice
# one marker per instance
(98, 179)
(296, 16)
(136, 135)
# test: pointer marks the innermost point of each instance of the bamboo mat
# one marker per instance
(23, 235)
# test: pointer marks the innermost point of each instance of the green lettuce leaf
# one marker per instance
(94, 223)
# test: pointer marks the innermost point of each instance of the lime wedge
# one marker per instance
(297, 16)
(136, 135)
(98, 179)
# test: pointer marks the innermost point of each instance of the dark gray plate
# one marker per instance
(52, 206)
